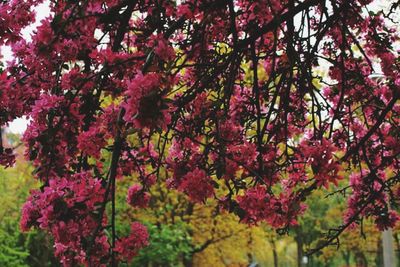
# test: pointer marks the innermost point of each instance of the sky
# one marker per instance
(19, 125)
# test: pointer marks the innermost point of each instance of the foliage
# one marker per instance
(204, 235)
(12, 252)
(170, 245)
(17, 248)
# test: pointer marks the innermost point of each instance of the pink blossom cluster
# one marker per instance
(322, 160)
(197, 185)
(378, 209)
(259, 205)
(145, 105)
(129, 246)
(137, 197)
(67, 209)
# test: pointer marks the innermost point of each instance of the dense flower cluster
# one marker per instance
(67, 209)
(219, 99)
(321, 158)
(377, 208)
(277, 211)
(128, 247)
(137, 197)
(197, 185)
(145, 106)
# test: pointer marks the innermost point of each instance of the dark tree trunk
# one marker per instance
(361, 260)
(300, 252)
(346, 257)
(274, 253)
(379, 254)
(188, 262)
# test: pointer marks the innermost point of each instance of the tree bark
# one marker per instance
(188, 262)
(361, 260)
(346, 257)
(300, 252)
(274, 253)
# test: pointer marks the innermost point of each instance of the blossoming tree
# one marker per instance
(223, 99)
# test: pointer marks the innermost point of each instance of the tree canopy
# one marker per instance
(225, 100)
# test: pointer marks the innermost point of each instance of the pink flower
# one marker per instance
(92, 141)
(255, 203)
(162, 48)
(145, 106)
(387, 220)
(137, 197)
(197, 185)
(128, 247)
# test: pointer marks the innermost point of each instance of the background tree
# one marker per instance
(17, 248)
(183, 233)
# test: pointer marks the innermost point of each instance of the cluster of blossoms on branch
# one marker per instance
(220, 99)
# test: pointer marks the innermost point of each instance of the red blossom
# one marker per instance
(197, 185)
(137, 197)
(128, 247)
